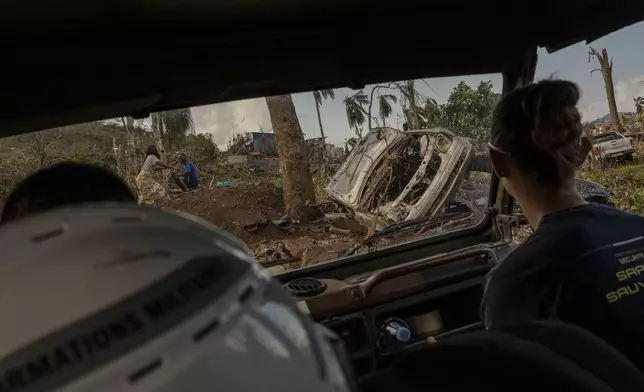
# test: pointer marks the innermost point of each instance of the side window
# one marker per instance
(610, 109)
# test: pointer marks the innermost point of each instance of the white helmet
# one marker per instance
(121, 298)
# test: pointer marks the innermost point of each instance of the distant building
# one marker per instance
(262, 143)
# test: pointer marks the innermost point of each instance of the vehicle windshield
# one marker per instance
(302, 178)
(316, 176)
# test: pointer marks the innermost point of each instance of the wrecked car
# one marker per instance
(392, 176)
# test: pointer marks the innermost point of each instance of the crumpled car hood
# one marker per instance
(347, 182)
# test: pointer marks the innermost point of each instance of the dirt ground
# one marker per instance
(248, 212)
(234, 207)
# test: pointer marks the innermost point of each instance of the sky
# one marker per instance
(624, 46)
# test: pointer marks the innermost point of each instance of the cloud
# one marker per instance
(223, 119)
(625, 91)
(593, 110)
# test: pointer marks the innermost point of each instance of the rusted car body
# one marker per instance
(392, 176)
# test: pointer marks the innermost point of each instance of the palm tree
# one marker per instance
(384, 107)
(171, 126)
(354, 106)
(319, 96)
(178, 123)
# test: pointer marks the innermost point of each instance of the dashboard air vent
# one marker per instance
(306, 287)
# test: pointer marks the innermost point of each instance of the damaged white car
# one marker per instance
(392, 176)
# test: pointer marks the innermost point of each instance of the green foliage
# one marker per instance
(319, 183)
(178, 123)
(625, 183)
(384, 107)
(639, 104)
(105, 143)
(321, 95)
(635, 123)
(354, 106)
(201, 148)
(468, 112)
(237, 145)
(278, 181)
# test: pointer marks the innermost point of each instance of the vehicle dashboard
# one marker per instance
(382, 314)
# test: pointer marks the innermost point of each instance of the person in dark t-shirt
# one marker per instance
(584, 264)
(189, 178)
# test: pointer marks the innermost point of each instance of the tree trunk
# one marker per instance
(606, 65)
(323, 151)
(157, 130)
(128, 123)
(163, 135)
(373, 90)
(607, 72)
(413, 120)
(298, 184)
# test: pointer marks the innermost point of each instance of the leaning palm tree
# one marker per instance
(354, 106)
(384, 107)
(319, 96)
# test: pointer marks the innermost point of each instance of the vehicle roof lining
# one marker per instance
(73, 64)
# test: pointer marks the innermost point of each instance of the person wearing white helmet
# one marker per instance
(103, 297)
